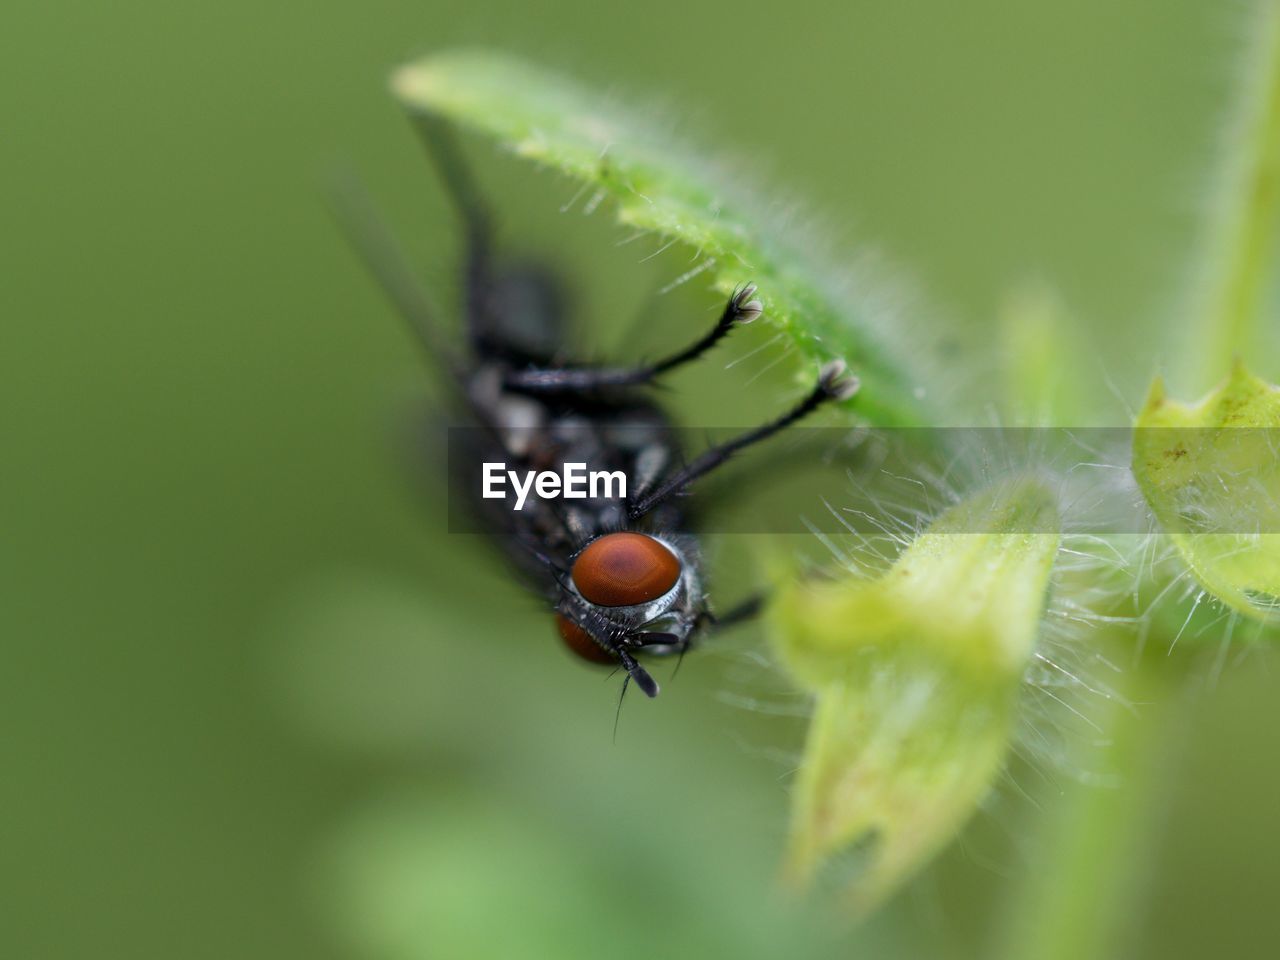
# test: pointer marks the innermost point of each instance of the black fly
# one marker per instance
(623, 582)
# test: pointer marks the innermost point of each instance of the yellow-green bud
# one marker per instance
(916, 676)
(1211, 474)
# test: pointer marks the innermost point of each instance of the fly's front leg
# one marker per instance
(742, 308)
(832, 385)
(677, 645)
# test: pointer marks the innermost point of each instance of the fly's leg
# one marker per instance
(745, 611)
(832, 385)
(668, 644)
(442, 147)
(742, 308)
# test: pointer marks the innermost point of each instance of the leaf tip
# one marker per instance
(411, 83)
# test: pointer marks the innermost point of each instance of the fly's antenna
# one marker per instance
(638, 673)
(384, 258)
(608, 637)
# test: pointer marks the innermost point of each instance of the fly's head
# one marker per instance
(631, 593)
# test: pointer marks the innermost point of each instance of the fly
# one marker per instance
(620, 576)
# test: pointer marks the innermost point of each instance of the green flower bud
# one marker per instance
(916, 676)
(1211, 474)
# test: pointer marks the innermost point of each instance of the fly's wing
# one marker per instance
(384, 258)
(513, 316)
(443, 464)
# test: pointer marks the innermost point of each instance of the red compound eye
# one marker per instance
(622, 569)
(580, 642)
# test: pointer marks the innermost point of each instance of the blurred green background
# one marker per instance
(256, 703)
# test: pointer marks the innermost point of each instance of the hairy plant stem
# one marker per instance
(1091, 878)
(1239, 259)
(1092, 866)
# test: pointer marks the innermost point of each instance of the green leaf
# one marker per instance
(658, 186)
(916, 675)
(1211, 473)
